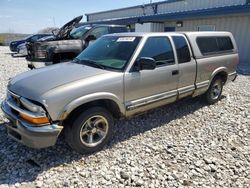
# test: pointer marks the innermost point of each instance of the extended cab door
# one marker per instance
(146, 89)
(187, 66)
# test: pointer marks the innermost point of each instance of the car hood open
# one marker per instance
(65, 30)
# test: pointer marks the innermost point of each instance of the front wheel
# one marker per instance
(90, 131)
(214, 92)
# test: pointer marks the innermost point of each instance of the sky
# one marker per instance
(29, 16)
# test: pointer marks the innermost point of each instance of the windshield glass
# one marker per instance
(111, 52)
(78, 32)
(29, 36)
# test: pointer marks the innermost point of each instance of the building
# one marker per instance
(187, 15)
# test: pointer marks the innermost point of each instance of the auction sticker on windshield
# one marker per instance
(126, 39)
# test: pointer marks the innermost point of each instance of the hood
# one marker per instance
(17, 42)
(33, 84)
(65, 30)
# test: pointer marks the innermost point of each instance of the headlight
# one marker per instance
(41, 54)
(32, 107)
(37, 115)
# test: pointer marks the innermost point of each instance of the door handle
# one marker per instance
(175, 72)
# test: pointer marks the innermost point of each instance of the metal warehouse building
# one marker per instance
(187, 15)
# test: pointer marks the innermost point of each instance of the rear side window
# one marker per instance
(182, 49)
(99, 31)
(224, 43)
(160, 49)
(118, 29)
(214, 45)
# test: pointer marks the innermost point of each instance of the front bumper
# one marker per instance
(22, 52)
(28, 134)
(13, 48)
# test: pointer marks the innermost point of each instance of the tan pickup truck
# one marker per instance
(120, 75)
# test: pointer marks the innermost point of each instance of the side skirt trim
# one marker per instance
(148, 100)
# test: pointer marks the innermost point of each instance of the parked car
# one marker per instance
(71, 40)
(22, 49)
(120, 75)
(13, 45)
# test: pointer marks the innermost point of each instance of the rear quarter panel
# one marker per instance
(208, 66)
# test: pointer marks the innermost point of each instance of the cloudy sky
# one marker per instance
(29, 16)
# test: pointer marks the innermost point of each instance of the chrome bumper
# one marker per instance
(28, 134)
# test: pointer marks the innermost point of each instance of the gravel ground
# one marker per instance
(185, 144)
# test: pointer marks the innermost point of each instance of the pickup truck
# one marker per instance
(67, 43)
(118, 76)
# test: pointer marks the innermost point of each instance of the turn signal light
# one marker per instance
(39, 120)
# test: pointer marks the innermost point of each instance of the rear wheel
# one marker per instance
(214, 92)
(90, 131)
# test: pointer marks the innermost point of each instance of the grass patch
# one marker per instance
(6, 38)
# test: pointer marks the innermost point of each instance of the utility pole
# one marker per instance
(54, 21)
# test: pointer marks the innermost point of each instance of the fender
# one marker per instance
(90, 98)
(216, 71)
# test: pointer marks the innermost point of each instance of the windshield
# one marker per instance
(48, 38)
(29, 36)
(78, 32)
(110, 52)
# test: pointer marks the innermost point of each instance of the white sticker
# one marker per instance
(126, 39)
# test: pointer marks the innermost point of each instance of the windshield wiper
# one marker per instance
(90, 63)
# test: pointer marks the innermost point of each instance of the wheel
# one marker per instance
(56, 58)
(214, 92)
(90, 131)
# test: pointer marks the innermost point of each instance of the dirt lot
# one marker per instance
(186, 144)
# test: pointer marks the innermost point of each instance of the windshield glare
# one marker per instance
(112, 52)
(78, 32)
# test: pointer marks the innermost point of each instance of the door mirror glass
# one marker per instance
(146, 63)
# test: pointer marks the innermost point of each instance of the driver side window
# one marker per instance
(98, 32)
(160, 49)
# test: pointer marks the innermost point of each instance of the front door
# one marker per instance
(146, 89)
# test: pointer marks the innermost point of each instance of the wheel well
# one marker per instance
(223, 76)
(108, 104)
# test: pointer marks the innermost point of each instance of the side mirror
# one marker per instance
(146, 63)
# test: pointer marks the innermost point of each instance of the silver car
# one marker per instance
(120, 75)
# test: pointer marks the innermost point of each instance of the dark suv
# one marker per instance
(69, 41)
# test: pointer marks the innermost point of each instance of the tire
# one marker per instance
(90, 131)
(214, 92)
(56, 58)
